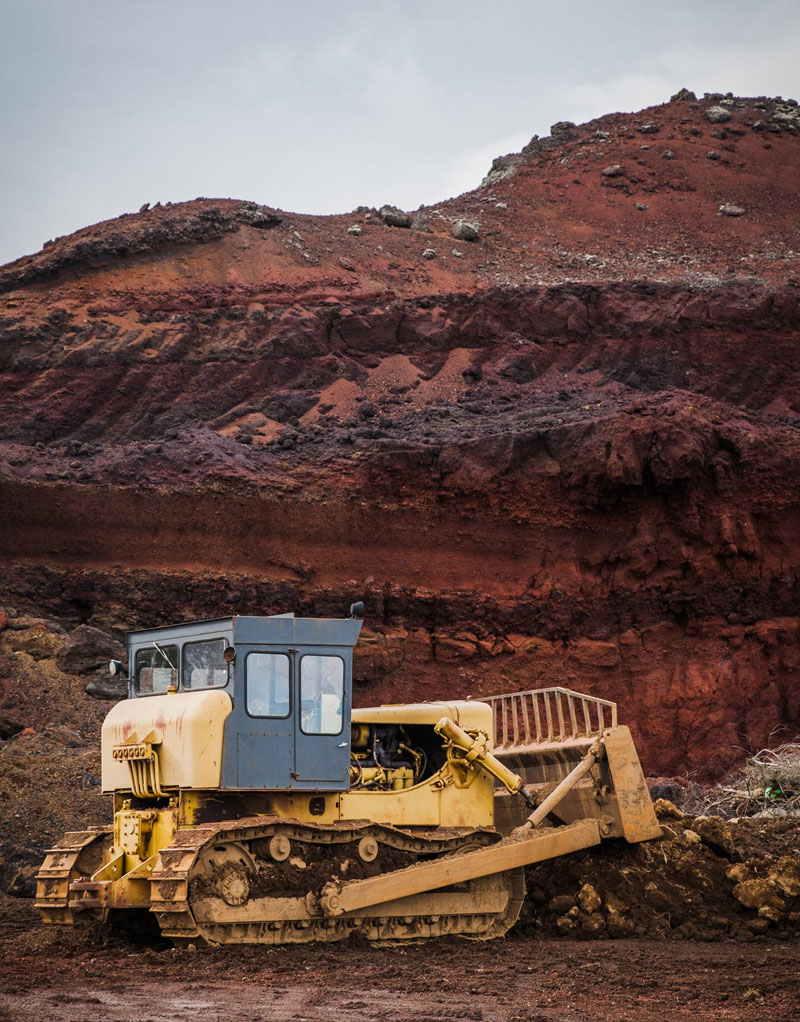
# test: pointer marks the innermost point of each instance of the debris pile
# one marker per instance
(767, 786)
(707, 878)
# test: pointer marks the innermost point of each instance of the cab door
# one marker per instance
(265, 728)
(322, 717)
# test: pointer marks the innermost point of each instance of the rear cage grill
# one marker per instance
(546, 716)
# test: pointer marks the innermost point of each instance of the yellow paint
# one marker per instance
(468, 715)
(190, 726)
(434, 803)
(139, 835)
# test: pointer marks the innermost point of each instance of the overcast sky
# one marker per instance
(318, 106)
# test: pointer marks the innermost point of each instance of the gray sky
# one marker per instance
(318, 107)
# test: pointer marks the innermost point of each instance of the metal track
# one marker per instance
(482, 909)
(77, 853)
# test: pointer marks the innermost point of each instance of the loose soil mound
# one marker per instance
(707, 878)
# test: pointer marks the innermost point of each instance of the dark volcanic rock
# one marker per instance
(464, 230)
(394, 217)
(86, 649)
(107, 686)
(717, 114)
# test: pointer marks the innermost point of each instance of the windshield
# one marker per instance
(204, 665)
(156, 669)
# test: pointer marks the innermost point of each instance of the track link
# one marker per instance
(209, 886)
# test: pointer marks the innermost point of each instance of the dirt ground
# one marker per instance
(518, 979)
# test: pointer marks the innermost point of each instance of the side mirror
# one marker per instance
(357, 609)
(116, 667)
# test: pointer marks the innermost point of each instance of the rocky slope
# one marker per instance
(562, 452)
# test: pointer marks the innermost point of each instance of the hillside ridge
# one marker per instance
(548, 428)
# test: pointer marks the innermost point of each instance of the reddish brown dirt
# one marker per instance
(515, 980)
(566, 455)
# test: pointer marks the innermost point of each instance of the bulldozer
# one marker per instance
(254, 805)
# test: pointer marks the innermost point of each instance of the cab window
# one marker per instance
(321, 694)
(156, 669)
(268, 685)
(203, 664)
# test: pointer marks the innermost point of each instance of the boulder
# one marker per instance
(465, 230)
(614, 903)
(717, 114)
(761, 892)
(394, 217)
(9, 727)
(666, 810)
(658, 898)
(108, 686)
(619, 926)
(23, 883)
(564, 130)
(88, 649)
(253, 215)
(565, 924)
(739, 873)
(729, 209)
(589, 900)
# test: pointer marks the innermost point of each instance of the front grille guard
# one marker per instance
(548, 716)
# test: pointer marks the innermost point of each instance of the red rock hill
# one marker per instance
(565, 452)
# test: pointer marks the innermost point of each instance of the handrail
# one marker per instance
(547, 715)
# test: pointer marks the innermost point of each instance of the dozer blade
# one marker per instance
(634, 803)
(511, 853)
(544, 733)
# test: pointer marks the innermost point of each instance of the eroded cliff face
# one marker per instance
(565, 453)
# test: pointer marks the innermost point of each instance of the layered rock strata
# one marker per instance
(563, 453)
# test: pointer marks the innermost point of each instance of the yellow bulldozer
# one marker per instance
(252, 804)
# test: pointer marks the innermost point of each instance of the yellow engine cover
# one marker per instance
(189, 725)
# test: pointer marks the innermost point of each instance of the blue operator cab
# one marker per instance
(282, 685)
